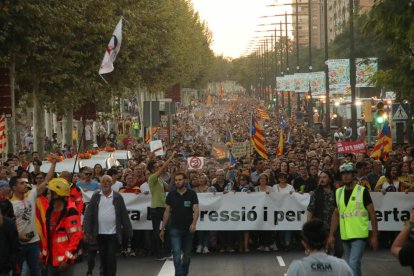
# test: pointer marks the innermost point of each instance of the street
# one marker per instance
(255, 263)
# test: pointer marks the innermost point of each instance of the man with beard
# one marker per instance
(182, 208)
(353, 211)
(322, 205)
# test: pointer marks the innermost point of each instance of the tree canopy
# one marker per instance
(57, 47)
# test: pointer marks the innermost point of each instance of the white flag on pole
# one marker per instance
(112, 50)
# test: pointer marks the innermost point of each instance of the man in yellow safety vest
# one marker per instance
(353, 211)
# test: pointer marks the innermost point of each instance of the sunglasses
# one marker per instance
(87, 173)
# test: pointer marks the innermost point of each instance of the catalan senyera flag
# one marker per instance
(148, 136)
(279, 150)
(209, 100)
(112, 50)
(263, 114)
(383, 144)
(257, 138)
(3, 135)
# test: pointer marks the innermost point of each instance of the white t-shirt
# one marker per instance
(289, 188)
(118, 185)
(25, 212)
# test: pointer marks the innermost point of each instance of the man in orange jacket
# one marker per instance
(63, 230)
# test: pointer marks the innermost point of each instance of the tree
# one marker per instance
(391, 22)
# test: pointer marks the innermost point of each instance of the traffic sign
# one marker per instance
(195, 163)
(400, 112)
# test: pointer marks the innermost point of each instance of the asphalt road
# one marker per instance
(255, 263)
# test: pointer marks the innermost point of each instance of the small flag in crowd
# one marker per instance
(289, 139)
(231, 157)
(257, 138)
(229, 139)
(3, 135)
(279, 150)
(263, 114)
(148, 136)
(282, 122)
(383, 144)
(107, 65)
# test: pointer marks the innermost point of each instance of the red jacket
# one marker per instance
(62, 243)
(76, 198)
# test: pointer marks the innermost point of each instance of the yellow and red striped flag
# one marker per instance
(257, 138)
(383, 144)
(263, 114)
(279, 150)
(3, 135)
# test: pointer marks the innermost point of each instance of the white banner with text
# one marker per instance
(261, 211)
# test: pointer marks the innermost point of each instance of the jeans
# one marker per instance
(108, 247)
(181, 241)
(30, 253)
(203, 238)
(55, 271)
(156, 218)
(353, 251)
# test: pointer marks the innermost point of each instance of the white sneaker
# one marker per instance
(199, 248)
(274, 247)
(266, 249)
(260, 248)
(205, 250)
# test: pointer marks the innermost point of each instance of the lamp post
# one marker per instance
(352, 71)
(327, 104)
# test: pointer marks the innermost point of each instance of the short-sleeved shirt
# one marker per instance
(91, 186)
(182, 208)
(156, 187)
(25, 213)
(306, 186)
(319, 264)
(326, 202)
(406, 255)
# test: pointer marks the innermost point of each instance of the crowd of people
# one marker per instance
(42, 225)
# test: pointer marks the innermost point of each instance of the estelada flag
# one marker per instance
(107, 65)
(383, 144)
(257, 138)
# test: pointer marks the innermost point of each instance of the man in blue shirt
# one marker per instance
(86, 183)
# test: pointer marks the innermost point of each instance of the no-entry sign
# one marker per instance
(195, 163)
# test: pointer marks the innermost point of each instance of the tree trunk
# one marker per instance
(57, 128)
(38, 125)
(48, 123)
(67, 127)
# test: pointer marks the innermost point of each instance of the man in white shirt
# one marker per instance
(106, 221)
(116, 185)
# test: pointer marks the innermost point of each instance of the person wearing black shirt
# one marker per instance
(182, 208)
(402, 249)
(353, 244)
(304, 183)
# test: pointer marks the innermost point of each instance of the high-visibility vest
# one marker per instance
(353, 218)
(67, 235)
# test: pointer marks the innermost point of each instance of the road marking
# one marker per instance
(280, 260)
(167, 269)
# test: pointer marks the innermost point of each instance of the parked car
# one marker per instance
(64, 165)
